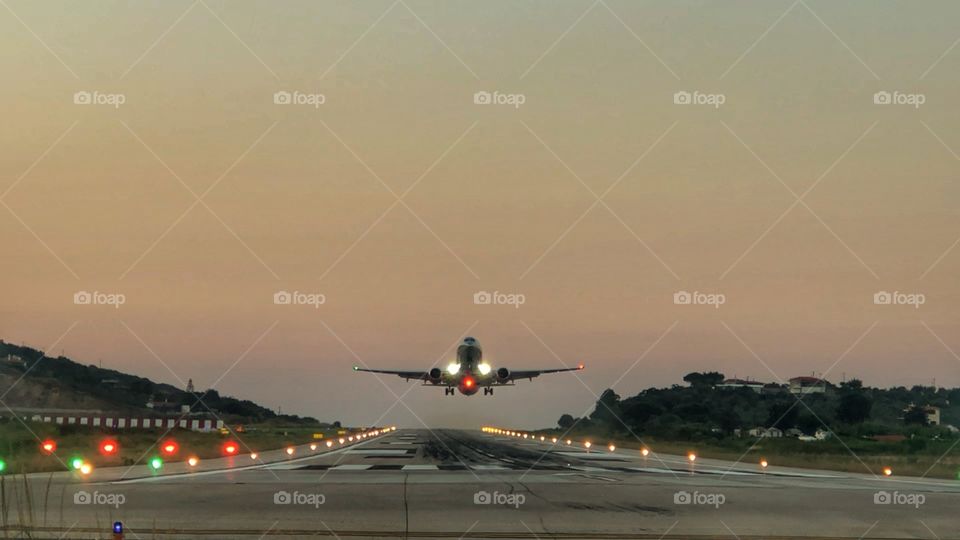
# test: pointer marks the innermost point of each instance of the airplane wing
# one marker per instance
(419, 375)
(531, 373)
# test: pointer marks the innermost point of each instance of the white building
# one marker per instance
(766, 433)
(741, 383)
(807, 385)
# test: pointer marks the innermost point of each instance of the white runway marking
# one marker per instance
(420, 468)
(379, 452)
(351, 467)
(590, 469)
(727, 472)
(597, 457)
(652, 469)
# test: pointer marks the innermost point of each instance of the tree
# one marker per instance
(608, 408)
(854, 407)
(782, 415)
(709, 378)
(915, 415)
(566, 421)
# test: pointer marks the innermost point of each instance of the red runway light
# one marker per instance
(48, 446)
(170, 447)
(230, 448)
(109, 447)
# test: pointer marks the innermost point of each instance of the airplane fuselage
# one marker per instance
(469, 355)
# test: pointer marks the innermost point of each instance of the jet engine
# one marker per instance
(435, 375)
(503, 374)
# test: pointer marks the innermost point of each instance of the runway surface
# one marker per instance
(468, 484)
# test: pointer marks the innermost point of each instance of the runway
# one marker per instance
(468, 484)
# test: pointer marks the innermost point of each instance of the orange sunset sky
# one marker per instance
(399, 196)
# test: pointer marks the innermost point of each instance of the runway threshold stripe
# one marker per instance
(351, 467)
(420, 468)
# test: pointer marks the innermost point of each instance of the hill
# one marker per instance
(61, 383)
(714, 408)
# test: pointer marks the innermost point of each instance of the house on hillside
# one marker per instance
(14, 360)
(933, 414)
(807, 385)
(766, 433)
(741, 383)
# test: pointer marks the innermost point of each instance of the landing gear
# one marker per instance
(488, 391)
(448, 391)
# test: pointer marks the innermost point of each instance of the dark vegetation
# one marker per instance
(129, 393)
(700, 411)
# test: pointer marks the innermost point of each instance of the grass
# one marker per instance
(20, 445)
(940, 459)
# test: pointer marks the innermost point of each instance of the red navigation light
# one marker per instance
(230, 448)
(48, 446)
(468, 382)
(109, 447)
(580, 366)
(169, 447)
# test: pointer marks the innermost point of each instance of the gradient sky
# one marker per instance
(500, 198)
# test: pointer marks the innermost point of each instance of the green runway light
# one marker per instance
(76, 463)
(156, 463)
(3, 465)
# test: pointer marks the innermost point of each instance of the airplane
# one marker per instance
(468, 373)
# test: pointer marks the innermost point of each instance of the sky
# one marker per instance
(784, 162)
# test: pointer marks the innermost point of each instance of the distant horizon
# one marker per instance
(785, 383)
